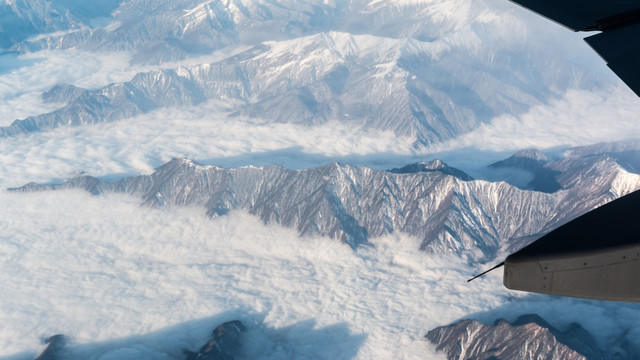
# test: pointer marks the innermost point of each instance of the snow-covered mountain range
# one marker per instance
(446, 212)
(171, 29)
(528, 337)
(435, 74)
(403, 85)
(115, 88)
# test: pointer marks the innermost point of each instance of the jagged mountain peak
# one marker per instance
(355, 203)
(433, 164)
(63, 93)
(335, 46)
(533, 154)
(529, 337)
(359, 62)
(530, 160)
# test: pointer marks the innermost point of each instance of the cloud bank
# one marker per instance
(103, 269)
(100, 268)
(207, 134)
(578, 118)
(24, 77)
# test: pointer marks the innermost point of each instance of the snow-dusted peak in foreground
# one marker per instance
(354, 204)
(529, 337)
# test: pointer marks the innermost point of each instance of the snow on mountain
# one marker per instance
(127, 282)
(22, 19)
(333, 78)
(165, 30)
(405, 86)
(176, 28)
(431, 70)
(529, 337)
(355, 204)
(431, 166)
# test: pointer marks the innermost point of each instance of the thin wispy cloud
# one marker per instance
(24, 77)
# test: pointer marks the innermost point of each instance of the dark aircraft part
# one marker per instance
(621, 50)
(579, 15)
(619, 21)
(595, 256)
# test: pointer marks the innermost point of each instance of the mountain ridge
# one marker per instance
(400, 85)
(353, 204)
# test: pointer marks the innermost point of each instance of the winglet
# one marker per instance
(493, 268)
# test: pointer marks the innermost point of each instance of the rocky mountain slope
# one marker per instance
(354, 204)
(529, 337)
(406, 86)
(427, 70)
(22, 19)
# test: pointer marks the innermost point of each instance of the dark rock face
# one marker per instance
(534, 162)
(56, 345)
(529, 337)
(224, 343)
(431, 166)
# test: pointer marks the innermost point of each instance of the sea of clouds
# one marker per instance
(130, 282)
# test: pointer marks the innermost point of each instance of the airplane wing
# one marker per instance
(595, 256)
(619, 22)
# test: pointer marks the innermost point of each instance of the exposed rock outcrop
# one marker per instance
(355, 203)
(529, 337)
(56, 345)
(223, 344)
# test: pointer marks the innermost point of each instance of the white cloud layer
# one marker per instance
(103, 270)
(23, 78)
(205, 133)
(138, 145)
(578, 118)
(29, 75)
